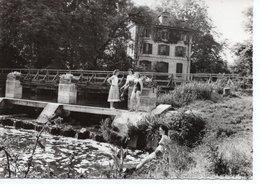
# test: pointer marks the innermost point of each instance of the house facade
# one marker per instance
(161, 47)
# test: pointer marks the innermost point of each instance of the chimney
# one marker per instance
(164, 18)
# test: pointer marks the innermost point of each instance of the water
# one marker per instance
(90, 157)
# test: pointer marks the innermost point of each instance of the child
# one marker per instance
(114, 90)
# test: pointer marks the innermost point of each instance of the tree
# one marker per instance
(206, 50)
(62, 33)
(244, 51)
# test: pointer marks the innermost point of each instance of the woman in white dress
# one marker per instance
(113, 95)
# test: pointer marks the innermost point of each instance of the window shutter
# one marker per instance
(150, 51)
(144, 48)
(167, 50)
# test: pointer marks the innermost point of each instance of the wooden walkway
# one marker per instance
(66, 107)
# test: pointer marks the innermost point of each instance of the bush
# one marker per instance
(187, 129)
(233, 157)
(187, 93)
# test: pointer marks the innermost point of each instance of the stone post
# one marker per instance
(13, 87)
(67, 92)
(148, 99)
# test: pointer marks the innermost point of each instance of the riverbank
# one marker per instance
(225, 152)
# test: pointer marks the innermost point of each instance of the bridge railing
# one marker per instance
(94, 77)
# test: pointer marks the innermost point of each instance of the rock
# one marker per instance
(214, 96)
(68, 132)
(170, 113)
(54, 130)
(99, 138)
(161, 109)
(7, 122)
(226, 91)
(27, 125)
(18, 124)
(83, 134)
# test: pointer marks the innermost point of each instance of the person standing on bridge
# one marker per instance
(136, 93)
(130, 78)
(113, 95)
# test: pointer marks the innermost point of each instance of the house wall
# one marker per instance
(172, 60)
(135, 51)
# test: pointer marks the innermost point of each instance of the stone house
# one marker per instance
(161, 47)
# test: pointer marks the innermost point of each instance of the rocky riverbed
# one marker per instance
(59, 155)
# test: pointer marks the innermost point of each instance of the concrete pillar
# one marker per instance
(13, 88)
(148, 99)
(67, 93)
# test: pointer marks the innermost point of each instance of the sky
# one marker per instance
(227, 17)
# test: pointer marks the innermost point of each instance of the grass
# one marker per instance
(225, 152)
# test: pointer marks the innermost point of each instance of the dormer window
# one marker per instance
(165, 35)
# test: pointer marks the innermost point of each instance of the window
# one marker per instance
(147, 48)
(146, 65)
(165, 35)
(147, 33)
(163, 50)
(162, 67)
(179, 67)
(180, 51)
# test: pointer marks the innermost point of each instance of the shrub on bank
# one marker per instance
(187, 129)
(187, 93)
(232, 157)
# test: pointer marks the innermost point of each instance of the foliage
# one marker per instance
(244, 62)
(187, 129)
(63, 33)
(244, 51)
(206, 50)
(187, 93)
(230, 159)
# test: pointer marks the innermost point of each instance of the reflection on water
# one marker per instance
(90, 156)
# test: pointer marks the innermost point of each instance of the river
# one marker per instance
(90, 160)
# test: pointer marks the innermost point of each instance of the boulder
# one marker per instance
(83, 134)
(68, 132)
(18, 124)
(7, 122)
(27, 125)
